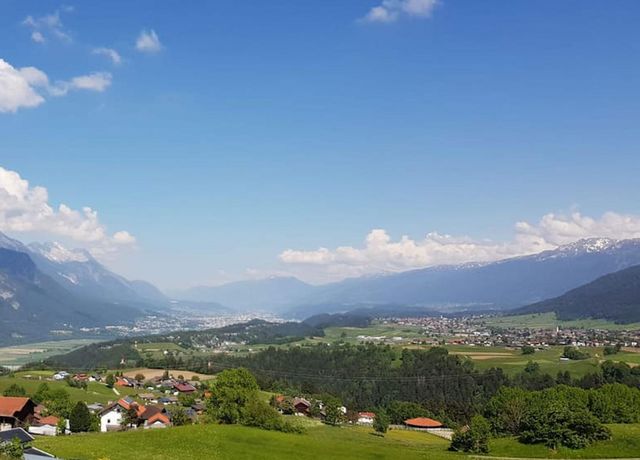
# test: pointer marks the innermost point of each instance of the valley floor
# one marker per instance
(319, 442)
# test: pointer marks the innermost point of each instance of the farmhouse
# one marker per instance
(15, 412)
(366, 418)
(30, 453)
(302, 405)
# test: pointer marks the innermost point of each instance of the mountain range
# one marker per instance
(47, 290)
(504, 284)
(46, 287)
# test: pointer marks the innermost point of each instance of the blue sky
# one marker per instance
(253, 128)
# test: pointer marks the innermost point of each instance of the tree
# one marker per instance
(333, 411)
(179, 416)
(139, 378)
(381, 421)
(474, 438)
(232, 390)
(110, 381)
(528, 350)
(130, 418)
(399, 411)
(507, 409)
(15, 390)
(80, 418)
(41, 394)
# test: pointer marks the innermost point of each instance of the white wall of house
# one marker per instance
(113, 418)
(365, 420)
(44, 430)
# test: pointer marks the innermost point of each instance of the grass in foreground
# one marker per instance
(237, 442)
(319, 442)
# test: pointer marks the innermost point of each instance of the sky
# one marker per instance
(212, 141)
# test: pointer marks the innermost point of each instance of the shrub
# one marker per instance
(474, 438)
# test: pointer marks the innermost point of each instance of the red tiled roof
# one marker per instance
(158, 417)
(9, 405)
(366, 414)
(49, 420)
(423, 422)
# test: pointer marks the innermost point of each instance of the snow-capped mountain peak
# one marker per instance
(55, 252)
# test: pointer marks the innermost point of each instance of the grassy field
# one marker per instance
(96, 392)
(624, 443)
(549, 321)
(150, 373)
(21, 354)
(236, 442)
(318, 442)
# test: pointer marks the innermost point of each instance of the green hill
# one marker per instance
(614, 297)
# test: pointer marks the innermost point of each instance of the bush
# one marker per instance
(575, 354)
(15, 390)
(259, 414)
(528, 350)
(381, 421)
(474, 438)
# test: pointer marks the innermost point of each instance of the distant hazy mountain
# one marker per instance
(32, 304)
(267, 294)
(615, 297)
(504, 284)
(79, 272)
(46, 287)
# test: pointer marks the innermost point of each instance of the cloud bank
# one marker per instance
(26, 209)
(27, 87)
(381, 254)
(392, 10)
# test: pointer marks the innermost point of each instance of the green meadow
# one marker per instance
(22, 354)
(318, 442)
(550, 321)
(95, 392)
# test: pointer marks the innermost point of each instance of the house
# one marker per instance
(155, 417)
(150, 397)
(95, 407)
(366, 418)
(60, 375)
(15, 412)
(184, 387)
(301, 405)
(45, 426)
(423, 423)
(111, 416)
(124, 382)
(148, 416)
(29, 453)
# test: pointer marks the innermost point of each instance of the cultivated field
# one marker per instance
(18, 355)
(151, 373)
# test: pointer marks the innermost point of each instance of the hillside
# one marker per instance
(614, 297)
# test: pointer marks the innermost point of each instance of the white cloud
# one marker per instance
(37, 37)
(391, 10)
(381, 254)
(17, 87)
(148, 42)
(112, 54)
(48, 25)
(26, 87)
(26, 209)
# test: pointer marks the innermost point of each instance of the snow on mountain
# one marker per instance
(56, 252)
